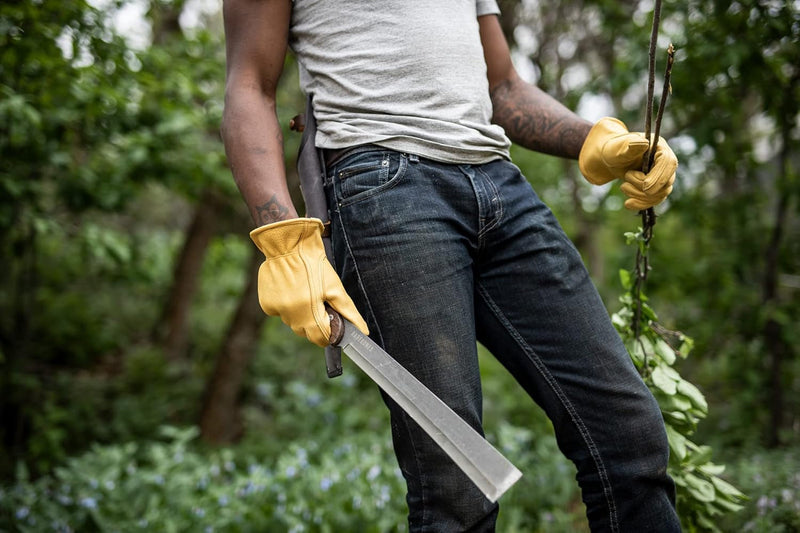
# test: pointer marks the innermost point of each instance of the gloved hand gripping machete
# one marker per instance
(492, 473)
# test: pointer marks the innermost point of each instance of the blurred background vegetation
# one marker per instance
(141, 388)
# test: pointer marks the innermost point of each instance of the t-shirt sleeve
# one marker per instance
(487, 7)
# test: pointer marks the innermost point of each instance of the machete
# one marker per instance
(492, 473)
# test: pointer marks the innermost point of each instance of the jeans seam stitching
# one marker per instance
(574, 416)
(404, 417)
(499, 216)
(422, 484)
(349, 251)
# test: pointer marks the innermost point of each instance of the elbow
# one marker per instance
(502, 97)
(500, 88)
(245, 102)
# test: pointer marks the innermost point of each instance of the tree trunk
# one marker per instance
(777, 348)
(164, 17)
(173, 327)
(220, 422)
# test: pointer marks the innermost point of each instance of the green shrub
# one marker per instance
(772, 479)
(170, 486)
(351, 483)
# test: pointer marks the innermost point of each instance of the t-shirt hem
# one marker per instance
(436, 152)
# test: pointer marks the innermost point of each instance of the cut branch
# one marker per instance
(651, 70)
(665, 92)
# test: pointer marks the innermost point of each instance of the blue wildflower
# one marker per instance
(89, 503)
(374, 471)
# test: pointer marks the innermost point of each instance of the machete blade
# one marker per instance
(491, 472)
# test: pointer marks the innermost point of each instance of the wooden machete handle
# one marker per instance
(337, 325)
(298, 123)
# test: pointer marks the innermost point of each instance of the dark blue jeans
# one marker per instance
(438, 256)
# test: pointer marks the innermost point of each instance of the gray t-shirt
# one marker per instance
(405, 74)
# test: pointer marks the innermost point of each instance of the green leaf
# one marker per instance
(665, 351)
(648, 311)
(671, 373)
(700, 488)
(677, 443)
(711, 469)
(706, 523)
(687, 345)
(726, 488)
(727, 505)
(679, 419)
(619, 321)
(646, 344)
(625, 278)
(663, 381)
(700, 456)
(694, 395)
(637, 353)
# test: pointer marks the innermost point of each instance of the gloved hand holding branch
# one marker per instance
(612, 152)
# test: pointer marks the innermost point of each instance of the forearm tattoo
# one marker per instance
(535, 120)
(271, 211)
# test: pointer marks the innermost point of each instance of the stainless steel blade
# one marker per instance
(481, 462)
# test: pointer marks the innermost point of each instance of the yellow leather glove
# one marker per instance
(295, 281)
(611, 152)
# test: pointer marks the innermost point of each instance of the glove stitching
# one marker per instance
(315, 285)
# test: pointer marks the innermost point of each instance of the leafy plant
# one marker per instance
(170, 485)
(772, 478)
(702, 495)
(350, 483)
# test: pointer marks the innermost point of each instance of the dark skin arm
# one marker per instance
(530, 117)
(256, 33)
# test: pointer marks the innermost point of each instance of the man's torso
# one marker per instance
(404, 74)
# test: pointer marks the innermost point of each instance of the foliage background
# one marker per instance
(125, 311)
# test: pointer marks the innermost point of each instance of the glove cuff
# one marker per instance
(281, 238)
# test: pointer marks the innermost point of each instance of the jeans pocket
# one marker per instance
(367, 174)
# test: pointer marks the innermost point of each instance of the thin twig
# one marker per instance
(665, 92)
(651, 72)
(648, 215)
